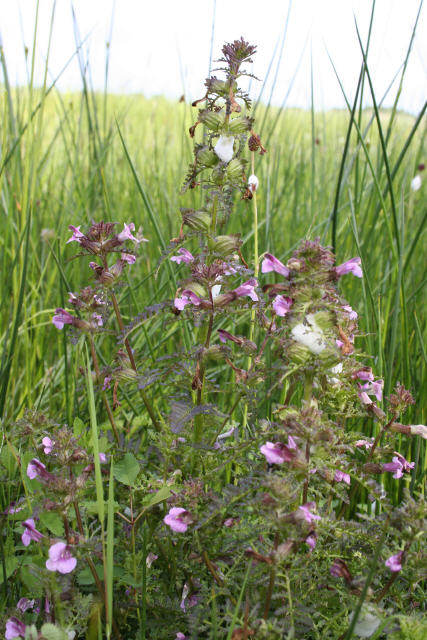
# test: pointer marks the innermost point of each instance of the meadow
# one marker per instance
(345, 177)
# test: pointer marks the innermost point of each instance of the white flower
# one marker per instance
(224, 148)
(216, 289)
(309, 334)
(419, 430)
(253, 182)
(336, 369)
(416, 183)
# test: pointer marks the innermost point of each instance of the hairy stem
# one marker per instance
(104, 396)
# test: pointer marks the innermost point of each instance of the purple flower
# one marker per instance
(180, 636)
(351, 266)
(103, 458)
(282, 305)
(394, 563)
(151, 557)
(184, 256)
(303, 512)
(47, 444)
(30, 532)
(14, 628)
(270, 263)
(399, 465)
(128, 257)
(36, 468)
(277, 452)
(188, 297)
(247, 289)
(13, 507)
(230, 522)
(178, 519)
(24, 604)
(364, 397)
(340, 476)
(126, 234)
(62, 317)
(107, 383)
(60, 558)
(77, 234)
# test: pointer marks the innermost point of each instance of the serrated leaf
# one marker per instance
(51, 632)
(127, 470)
(53, 522)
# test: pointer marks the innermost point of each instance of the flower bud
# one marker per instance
(197, 220)
(419, 430)
(216, 352)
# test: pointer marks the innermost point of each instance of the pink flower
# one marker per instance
(226, 335)
(247, 289)
(184, 256)
(97, 319)
(151, 557)
(230, 522)
(126, 234)
(303, 512)
(14, 628)
(374, 388)
(188, 297)
(107, 383)
(47, 444)
(35, 468)
(61, 318)
(128, 257)
(364, 397)
(282, 305)
(340, 476)
(178, 519)
(277, 453)
(311, 540)
(351, 266)
(103, 458)
(180, 636)
(363, 443)
(394, 563)
(13, 507)
(60, 558)
(270, 263)
(291, 443)
(364, 374)
(77, 234)
(352, 315)
(30, 532)
(399, 465)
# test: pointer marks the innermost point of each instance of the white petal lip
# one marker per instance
(416, 183)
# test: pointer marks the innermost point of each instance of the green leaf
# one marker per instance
(78, 427)
(162, 494)
(53, 522)
(127, 469)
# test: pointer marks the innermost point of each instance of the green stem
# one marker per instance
(104, 396)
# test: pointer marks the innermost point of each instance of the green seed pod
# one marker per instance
(240, 125)
(197, 220)
(324, 320)
(216, 352)
(298, 353)
(227, 244)
(196, 288)
(207, 158)
(249, 347)
(218, 176)
(211, 119)
(125, 374)
(234, 169)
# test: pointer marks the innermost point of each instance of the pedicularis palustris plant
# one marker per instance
(247, 497)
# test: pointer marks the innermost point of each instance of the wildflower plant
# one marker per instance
(250, 497)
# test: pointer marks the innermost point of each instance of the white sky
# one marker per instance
(163, 46)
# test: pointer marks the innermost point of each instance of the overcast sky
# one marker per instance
(163, 46)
